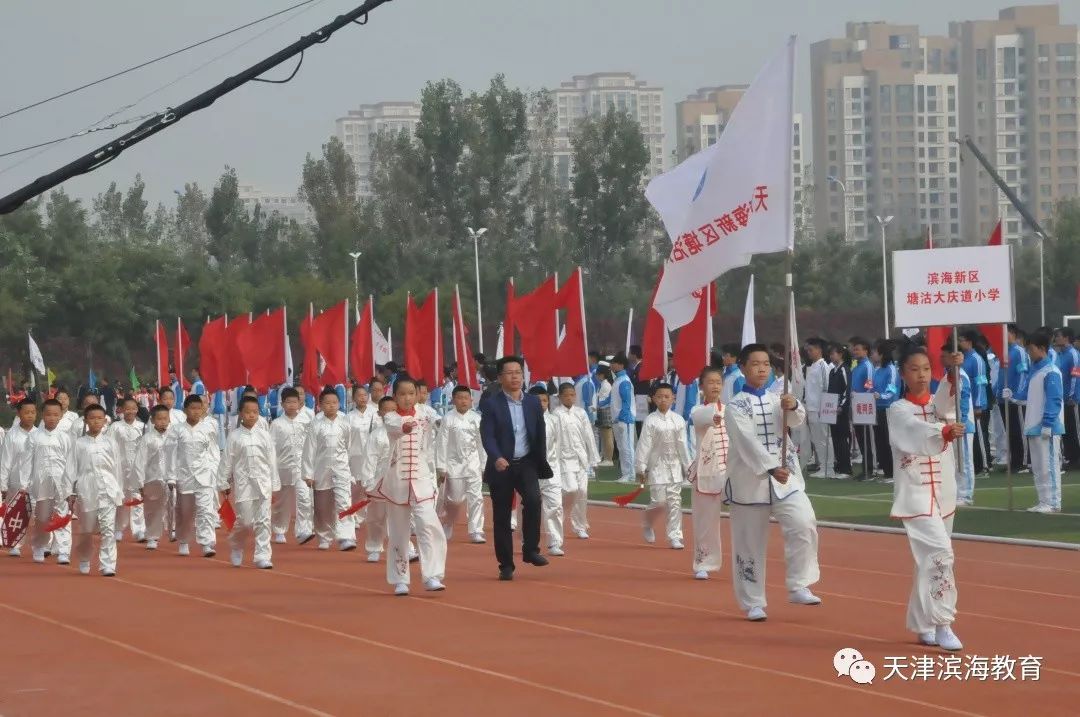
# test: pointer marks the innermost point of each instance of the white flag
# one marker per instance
(499, 343)
(289, 369)
(35, 355)
(733, 199)
(380, 345)
(389, 345)
(629, 329)
(749, 329)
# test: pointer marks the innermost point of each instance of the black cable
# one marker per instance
(166, 118)
(281, 82)
(150, 62)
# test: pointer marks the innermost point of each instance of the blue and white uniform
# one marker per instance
(965, 479)
(624, 416)
(1044, 424)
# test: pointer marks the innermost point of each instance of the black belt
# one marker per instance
(518, 461)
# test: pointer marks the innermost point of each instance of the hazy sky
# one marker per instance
(264, 131)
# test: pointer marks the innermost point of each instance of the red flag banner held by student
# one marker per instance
(330, 332)
(628, 498)
(654, 342)
(423, 340)
(228, 514)
(353, 508)
(309, 379)
(262, 348)
(183, 343)
(162, 344)
(57, 521)
(211, 352)
(362, 345)
(532, 316)
(463, 355)
(692, 346)
(572, 352)
(231, 366)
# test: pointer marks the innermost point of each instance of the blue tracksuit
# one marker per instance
(862, 378)
(886, 382)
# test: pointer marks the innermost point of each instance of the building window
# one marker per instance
(899, 42)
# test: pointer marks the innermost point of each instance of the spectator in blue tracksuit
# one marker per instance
(273, 400)
(687, 397)
(1068, 362)
(733, 375)
(965, 478)
(1044, 423)
(624, 412)
(862, 381)
(886, 382)
(1014, 395)
(977, 371)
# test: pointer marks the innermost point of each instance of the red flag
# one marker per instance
(16, 520)
(329, 333)
(57, 521)
(262, 348)
(692, 348)
(463, 355)
(228, 515)
(162, 341)
(183, 343)
(212, 352)
(995, 236)
(936, 336)
(133, 502)
(534, 318)
(628, 498)
(231, 366)
(310, 376)
(352, 508)
(572, 354)
(508, 321)
(995, 334)
(423, 340)
(361, 347)
(654, 343)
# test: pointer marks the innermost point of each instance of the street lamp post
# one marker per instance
(843, 188)
(475, 235)
(884, 271)
(356, 279)
(1042, 282)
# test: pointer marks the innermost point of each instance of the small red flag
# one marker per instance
(132, 502)
(628, 498)
(57, 521)
(514, 501)
(15, 521)
(995, 236)
(353, 508)
(228, 515)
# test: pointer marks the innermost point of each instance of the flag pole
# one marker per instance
(956, 403)
(1005, 403)
(789, 291)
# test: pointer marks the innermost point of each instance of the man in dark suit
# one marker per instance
(512, 430)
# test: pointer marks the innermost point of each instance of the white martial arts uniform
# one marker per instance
(249, 469)
(127, 436)
(578, 457)
(295, 496)
(408, 487)
(151, 478)
(376, 464)
(663, 458)
(753, 420)
(96, 478)
(817, 383)
(924, 497)
(14, 442)
(709, 478)
(360, 423)
(195, 455)
(326, 462)
(42, 469)
(1044, 425)
(176, 418)
(460, 457)
(551, 496)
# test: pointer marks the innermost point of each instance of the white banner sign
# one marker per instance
(949, 287)
(830, 405)
(863, 409)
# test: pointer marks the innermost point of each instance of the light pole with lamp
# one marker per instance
(843, 188)
(884, 272)
(475, 236)
(356, 280)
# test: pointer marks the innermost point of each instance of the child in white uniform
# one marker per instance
(376, 464)
(195, 456)
(127, 433)
(460, 460)
(578, 457)
(249, 473)
(288, 432)
(551, 490)
(14, 442)
(150, 475)
(709, 475)
(326, 469)
(42, 473)
(662, 462)
(95, 490)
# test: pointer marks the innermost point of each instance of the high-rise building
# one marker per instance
(885, 109)
(289, 206)
(1018, 102)
(357, 131)
(700, 120)
(593, 94)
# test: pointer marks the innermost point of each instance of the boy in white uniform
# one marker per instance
(360, 422)
(460, 460)
(1044, 423)
(288, 432)
(551, 496)
(408, 487)
(376, 464)
(167, 398)
(14, 442)
(127, 433)
(817, 383)
(249, 473)
(195, 457)
(95, 490)
(921, 433)
(760, 485)
(326, 469)
(42, 473)
(578, 457)
(662, 462)
(69, 420)
(150, 475)
(709, 475)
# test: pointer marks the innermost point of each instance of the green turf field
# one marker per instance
(868, 503)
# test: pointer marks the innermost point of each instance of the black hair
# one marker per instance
(420, 383)
(376, 380)
(165, 389)
(500, 365)
(1066, 333)
(538, 391)
(620, 358)
(24, 403)
(289, 392)
(159, 408)
(384, 400)
(247, 400)
(730, 349)
(595, 355)
(661, 386)
(461, 389)
(391, 367)
(125, 399)
(910, 352)
(970, 335)
(1039, 339)
(51, 402)
(63, 391)
(403, 380)
(860, 341)
(327, 391)
(249, 389)
(635, 350)
(818, 343)
(710, 369)
(358, 387)
(567, 386)
(191, 400)
(745, 351)
(92, 408)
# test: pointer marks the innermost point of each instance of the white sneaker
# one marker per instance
(626, 480)
(208, 551)
(756, 614)
(965, 501)
(842, 476)
(414, 554)
(139, 537)
(373, 557)
(279, 538)
(803, 596)
(15, 552)
(677, 545)
(63, 559)
(183, 549)
(448, 530)
(947, 639)
(1042, 508)
(324, 545)
(84, 567)
(304, 539)
(433, 585)
(108, 573)
(119, 537)
(237, 558)
(39, 556)
(264, 565)
(172, 536)
(819, 474)
(928, 638)
(346, 545)
(477, 538)
(151, 545)
(401, 589)
(701, 575)
(605, 464)
(581, 534)
(556, 551)
(650, 534)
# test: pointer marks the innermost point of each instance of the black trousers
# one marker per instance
(1070, 443)
(841, 442)
(865, 438)
(882, 449)
(523, 478)
(981, 454)
(1016, 436)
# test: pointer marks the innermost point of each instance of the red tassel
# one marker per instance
(627, 499)
(353, 508)
(130, 502)
(514, 501)
(228, 515)
(57, 521)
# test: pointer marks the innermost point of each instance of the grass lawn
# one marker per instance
(868, 503)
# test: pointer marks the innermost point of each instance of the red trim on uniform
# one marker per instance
(922, 400)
